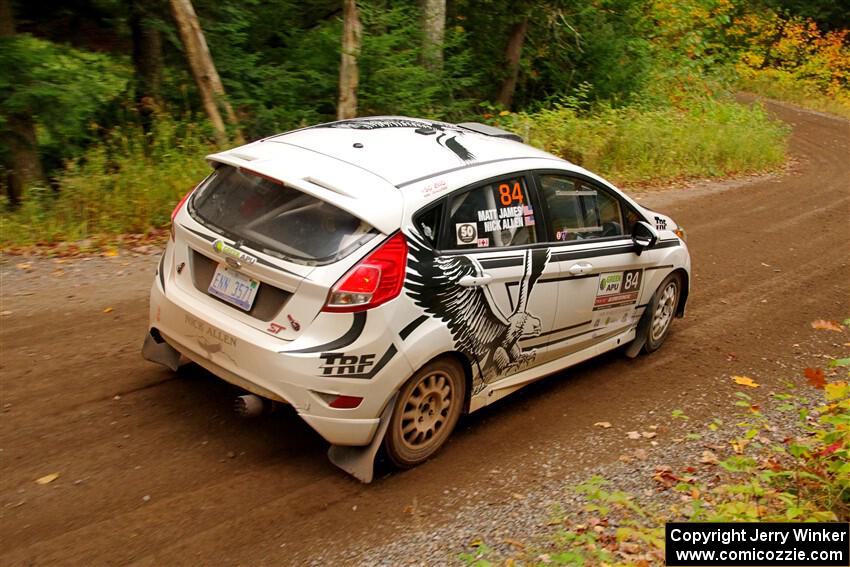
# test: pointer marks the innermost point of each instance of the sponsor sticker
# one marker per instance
(229, 252)
(467, 233)
(483, 242)
(617, 289)
(341, 364)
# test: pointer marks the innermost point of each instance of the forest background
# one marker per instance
(107, 107)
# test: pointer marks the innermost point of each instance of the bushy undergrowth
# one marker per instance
(697, 138)
(783, 85)
(129, 184)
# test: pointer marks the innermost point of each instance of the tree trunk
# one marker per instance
(349, 73)
(147, 63)
(434, 28)
(23, 161)
(203, 68)
(513, 53)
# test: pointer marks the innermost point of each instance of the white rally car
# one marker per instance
(385, 275)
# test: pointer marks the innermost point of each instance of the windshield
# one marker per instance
(277, 219)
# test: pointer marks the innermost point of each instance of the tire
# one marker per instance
(663, 311)
(426, 411)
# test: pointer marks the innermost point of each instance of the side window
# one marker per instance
(579, 210)
(491, 216)
(428, 223)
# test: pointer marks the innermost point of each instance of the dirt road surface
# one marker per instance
(154, 468)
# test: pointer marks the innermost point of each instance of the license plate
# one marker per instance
(233, 287)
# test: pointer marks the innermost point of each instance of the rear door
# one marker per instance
(493, 226)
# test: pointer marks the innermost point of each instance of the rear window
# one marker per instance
(277, 219)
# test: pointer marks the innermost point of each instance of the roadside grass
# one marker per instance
(805, 477)
(783, 85)
(128, 184)
(638, 146)
(131, 182)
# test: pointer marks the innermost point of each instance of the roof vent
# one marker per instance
(488, 130)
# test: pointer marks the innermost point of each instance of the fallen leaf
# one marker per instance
(630, 548)
(110, 253)
(739, 445)
(633, 435)
(23, 266)
(47, 479)
(731, 357)
(108, 310)
(602, 424)
(708, 458)
(745, 381)
(815, 377)
(640, 454)
(515, 543)
(648, 434)
(824, 325)
(665, 477)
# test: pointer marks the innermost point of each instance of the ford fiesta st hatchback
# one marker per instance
(385, 275)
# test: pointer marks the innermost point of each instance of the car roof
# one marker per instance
(402, 150)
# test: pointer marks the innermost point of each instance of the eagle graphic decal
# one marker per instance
(479, 328)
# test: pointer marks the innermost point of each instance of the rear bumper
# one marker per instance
(255, 362)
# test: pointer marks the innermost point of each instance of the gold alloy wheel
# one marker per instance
(426, 411)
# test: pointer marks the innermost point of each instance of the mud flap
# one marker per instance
(359, 462)
(642, 331)
(160, 352)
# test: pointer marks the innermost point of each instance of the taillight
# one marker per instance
(177, 210)
(373, 281)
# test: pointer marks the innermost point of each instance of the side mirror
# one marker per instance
(644, 236)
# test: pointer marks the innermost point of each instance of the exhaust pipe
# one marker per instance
(249, 405)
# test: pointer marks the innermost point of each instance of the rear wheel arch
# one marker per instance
(465, 363)
(426, 410)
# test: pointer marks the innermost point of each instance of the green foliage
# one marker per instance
(127, 184)
(702, 138)
(65, 89)
(393, 79)
(279, 66)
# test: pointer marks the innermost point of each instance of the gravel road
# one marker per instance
(154, 469)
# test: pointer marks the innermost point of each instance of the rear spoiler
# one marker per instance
(488, 130)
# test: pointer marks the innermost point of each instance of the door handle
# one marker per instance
(473, 281)
(581, 268)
